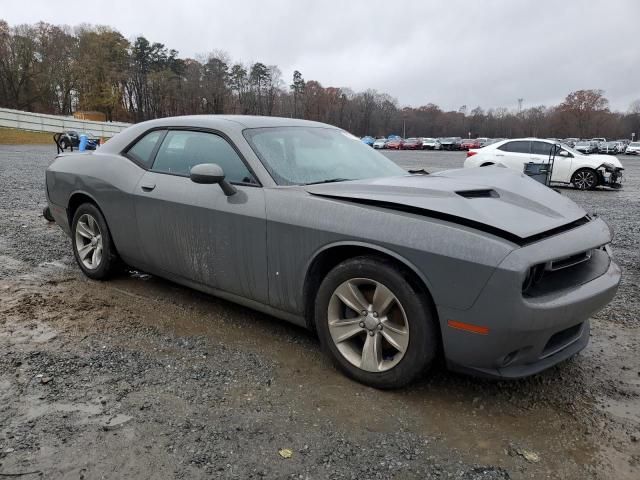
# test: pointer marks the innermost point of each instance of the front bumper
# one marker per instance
(529, 334)
(609, 175)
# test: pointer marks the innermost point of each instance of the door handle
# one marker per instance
(147, 187)
(499, 154)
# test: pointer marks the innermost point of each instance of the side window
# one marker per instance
(141, 152)
(515, 147)
(541, 148)
(182, 149)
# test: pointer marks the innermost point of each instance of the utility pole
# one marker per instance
(520, 100)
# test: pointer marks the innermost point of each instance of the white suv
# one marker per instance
(569, 167)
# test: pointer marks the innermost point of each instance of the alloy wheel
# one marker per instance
(368, 324)
(584, 180)
(89, 242)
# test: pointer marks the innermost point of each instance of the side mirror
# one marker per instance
(209, 173)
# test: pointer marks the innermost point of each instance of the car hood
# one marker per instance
(598, 160)
(494, 199)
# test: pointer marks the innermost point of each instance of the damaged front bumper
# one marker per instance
(609, 175)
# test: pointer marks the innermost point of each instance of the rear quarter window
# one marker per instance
(142, 151)
(518, 146)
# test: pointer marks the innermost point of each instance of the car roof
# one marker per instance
(223, 123)
(226, 121)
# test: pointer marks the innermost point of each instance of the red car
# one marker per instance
(412, 144)
(470, 143)
(395, 144)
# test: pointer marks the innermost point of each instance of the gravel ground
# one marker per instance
(140, 378)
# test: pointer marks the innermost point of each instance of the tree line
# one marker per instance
(60, 70)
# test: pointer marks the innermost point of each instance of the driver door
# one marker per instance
(562, 164)
(194, 231)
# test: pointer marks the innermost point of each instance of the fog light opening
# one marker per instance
(509, 358)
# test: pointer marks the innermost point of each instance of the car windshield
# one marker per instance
(304, 155)
(582, 144)
(570, 150)
(634, 144)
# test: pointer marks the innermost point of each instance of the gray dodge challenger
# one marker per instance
(485, 267)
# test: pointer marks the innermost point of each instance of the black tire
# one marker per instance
(585, 179)
(109, 257)
(46, 213)
(423, 341)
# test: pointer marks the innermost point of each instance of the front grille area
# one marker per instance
(569, 261)
(562, 339)
(565, 273)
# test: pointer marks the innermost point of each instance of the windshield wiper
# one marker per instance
(329, 180)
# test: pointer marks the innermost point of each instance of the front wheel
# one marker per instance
(374, 325)
(585, 179)
(46, 213)
(92, 243)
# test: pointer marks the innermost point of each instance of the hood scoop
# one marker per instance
(481, 193)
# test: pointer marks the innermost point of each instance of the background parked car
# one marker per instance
(380, 143)
(431, 144)
(395, 144)
(570, 166)
(451, 143)
(412, 143)
(609, 148)
(633, 148)
(585, 146)
(599, 143)
(621, 146)
(71, 138)
(368, 140)
(470, 143)
(571, 142)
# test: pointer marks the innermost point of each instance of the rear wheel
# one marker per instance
(585, 179)
(92, 243)
(374, 325)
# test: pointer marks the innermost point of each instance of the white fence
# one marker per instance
(53, 123)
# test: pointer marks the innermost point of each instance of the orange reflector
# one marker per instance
(468, 327)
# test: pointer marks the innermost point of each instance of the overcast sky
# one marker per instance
(452, 53)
